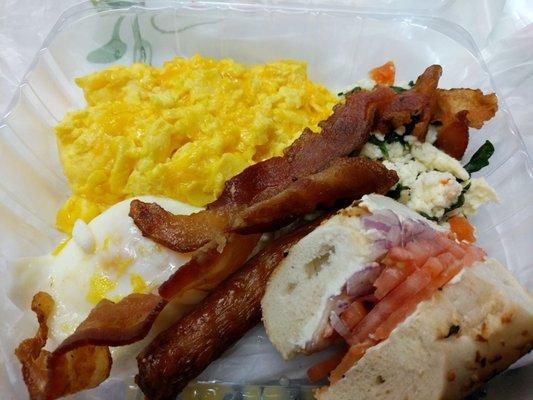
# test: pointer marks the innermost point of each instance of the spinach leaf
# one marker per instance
(415, 119)
(460, 200)
(429, 217)
(398, 89)
(480, 159)
(411, 83)
(397, 191)
(381, 144)
(354, 90)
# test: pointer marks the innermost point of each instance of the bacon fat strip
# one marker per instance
(344, 132)
(344, 178)
(183, 351)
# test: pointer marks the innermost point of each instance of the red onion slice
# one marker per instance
(361, 283)
(338, 325)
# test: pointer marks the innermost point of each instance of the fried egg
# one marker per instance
(107, 258)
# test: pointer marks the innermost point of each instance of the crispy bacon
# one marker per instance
(414, 106)
(83, 361)
(344, 132)
(183, 233)
(427, 84)
(453, 137)
(480, 107)
(457, 109)
(344, 178)
(209, 266)
(52, 375)
(116, 324)
(184, 350)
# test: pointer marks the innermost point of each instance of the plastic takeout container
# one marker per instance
(340, 43)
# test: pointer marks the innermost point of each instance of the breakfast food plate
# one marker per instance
(339, 45)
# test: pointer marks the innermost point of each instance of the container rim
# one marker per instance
(421, 17)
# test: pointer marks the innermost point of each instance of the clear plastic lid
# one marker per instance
(340, 44)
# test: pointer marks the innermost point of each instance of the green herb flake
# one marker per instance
(415, 119)
(381, 144)
(398, 89)
(354, 90)
(460, 200)
(411, 84)
(397, 191)
(481, 157)
(429, 217)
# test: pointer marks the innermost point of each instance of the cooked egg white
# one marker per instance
(181, 130)
(431, 181)
(107, 258)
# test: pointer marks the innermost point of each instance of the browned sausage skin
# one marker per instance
(183, 351)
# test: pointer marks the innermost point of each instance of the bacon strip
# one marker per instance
(52, 375)
(453, 137)
(116, 324)
(480, 107)
(413, 106)
(182, 233)
(83, 360)
(344, 178)
(180, 353)
(344, 132)
(208, 266)
(457, 109)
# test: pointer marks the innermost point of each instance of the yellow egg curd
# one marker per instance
(180, 130)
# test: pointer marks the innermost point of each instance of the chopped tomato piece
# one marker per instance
(353, 314)
(322, 369)
(384, 75)
(451, 267)
(462, 228)
(354, 354)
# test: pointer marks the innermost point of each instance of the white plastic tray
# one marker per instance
(340, 44)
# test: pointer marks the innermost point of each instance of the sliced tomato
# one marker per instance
(353, 314)
(462, 228)
(322, 369)
(384, 75)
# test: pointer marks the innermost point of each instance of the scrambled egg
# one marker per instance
(181, 130)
